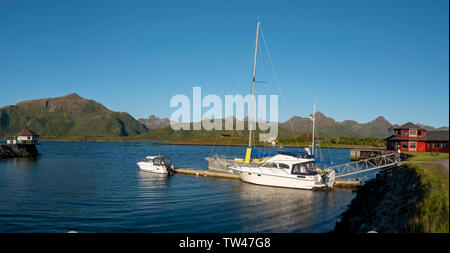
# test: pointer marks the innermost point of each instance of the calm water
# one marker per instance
(97, 187)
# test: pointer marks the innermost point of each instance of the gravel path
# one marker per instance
(444, 165)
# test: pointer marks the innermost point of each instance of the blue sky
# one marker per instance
(359, 59)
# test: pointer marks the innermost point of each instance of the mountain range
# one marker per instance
(72, 115)
(378, 127)
(154, 122)
(65, 116)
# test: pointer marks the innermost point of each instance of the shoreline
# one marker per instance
(18, 150)
(156, 142)
(284, 146)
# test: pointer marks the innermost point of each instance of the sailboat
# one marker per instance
(285, 169)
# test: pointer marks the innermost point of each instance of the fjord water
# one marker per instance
(97, 187)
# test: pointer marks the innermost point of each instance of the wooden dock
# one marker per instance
(206, 173)
(340, 183)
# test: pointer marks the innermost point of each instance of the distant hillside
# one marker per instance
(325, 127)
(430, 128)
(154, 122)
(378, 127)
(69, 115)
(302, 128)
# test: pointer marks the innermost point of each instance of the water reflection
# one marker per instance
(152, 185)
(152, 180)
(274, 209)
(277, 208)
(21, 162)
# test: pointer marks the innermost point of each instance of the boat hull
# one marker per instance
(149, 167)
(279, 181)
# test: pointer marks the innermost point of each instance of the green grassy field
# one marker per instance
(425, 156)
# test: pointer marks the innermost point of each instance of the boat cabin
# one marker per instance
(296, 165)
(158, 160)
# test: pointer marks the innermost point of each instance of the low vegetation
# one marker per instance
(433, 209)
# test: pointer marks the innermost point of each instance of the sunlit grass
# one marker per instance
(433, 209)
(425, 156)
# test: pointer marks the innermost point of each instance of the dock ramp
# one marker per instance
(366, 165)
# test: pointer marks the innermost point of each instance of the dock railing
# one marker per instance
(365, 165)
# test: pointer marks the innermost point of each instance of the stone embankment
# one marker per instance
(384, 204)
(18, 150)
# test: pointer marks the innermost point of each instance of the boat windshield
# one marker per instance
(167, 161)
(270, 165)
(163, 160)
(283, 166)
(302, 168)
(148, 160)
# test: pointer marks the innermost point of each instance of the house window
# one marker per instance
(444, 145)
(397, 132)
(404, 145)
(412, 132)
(419, 132)
(412, 145)
(436, 145)
(405, 132)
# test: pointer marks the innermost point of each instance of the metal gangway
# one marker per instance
(366, 165)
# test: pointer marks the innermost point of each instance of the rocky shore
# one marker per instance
(385, 204)
(18, 150)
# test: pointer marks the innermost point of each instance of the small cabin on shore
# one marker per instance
(410, 137)
(26, 136)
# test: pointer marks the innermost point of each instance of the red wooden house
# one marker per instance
(410, 137)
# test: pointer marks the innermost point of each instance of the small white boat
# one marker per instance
(286, 170)
(157, 164)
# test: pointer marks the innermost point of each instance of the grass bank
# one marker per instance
(411, 198)
(433, 209)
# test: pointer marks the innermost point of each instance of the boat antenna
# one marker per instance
(313, 125)
(250, 118)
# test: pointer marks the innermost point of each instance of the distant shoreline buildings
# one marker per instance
(411, 137)
(26, 136)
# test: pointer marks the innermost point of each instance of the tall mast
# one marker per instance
(250, 118)
(313, 121)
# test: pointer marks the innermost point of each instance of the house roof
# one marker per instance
(392, 137)
(436, 135)
(429, 136)
(409, 125)
(26, 132)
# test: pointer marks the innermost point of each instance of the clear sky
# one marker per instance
(359, 59)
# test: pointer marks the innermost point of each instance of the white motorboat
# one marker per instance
(157, 164)
(286, 170)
